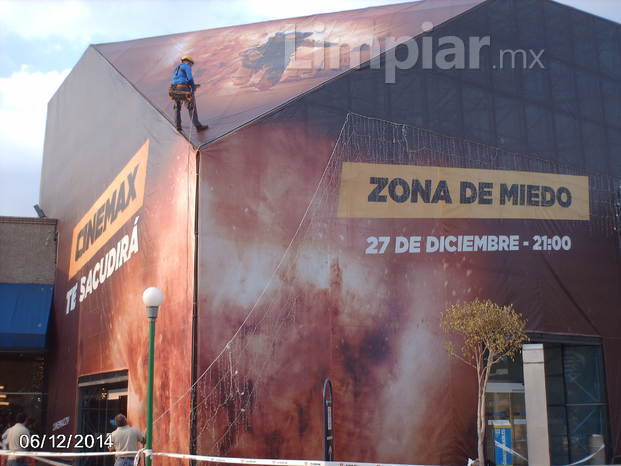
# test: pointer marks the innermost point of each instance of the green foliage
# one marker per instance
(488, 331)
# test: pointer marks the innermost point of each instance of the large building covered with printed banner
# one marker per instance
(362, 171)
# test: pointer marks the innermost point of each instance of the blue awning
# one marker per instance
(24, 315)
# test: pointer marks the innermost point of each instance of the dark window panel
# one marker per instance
(509, 132)
(331, 119)
(558, 31)
(595, 147)
(474, 23)
(607, 38)
(407, 98)
(578, 421)
(555, 386)
(508, 370)
(584, 422)
(611, 91)
(367, 92)
(536, 84)
(443, 104)
(484, 73)
(555, 390)
(505, 78)
(502, 20)
(336, 92)
(557, 425)
(530, 23)
(553, 359)
(584, 374)
(589, 95)
(451, 72)
(563, 92)
(401, 53)
(540, 131)
(567, 141)
(614, 142)
(481, 74)
(471, 27)
(477, 107)
(585, 49)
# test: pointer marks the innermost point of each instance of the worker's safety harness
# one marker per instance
(180, 91)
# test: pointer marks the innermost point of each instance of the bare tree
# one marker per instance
(488, 333)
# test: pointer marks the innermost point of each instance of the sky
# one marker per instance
(41, 40)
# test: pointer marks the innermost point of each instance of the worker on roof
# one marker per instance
(182, 90)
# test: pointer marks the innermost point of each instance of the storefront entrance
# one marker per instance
(102, 397)
(21, 389)
(505, 408)
(577, 402)
(576, 399)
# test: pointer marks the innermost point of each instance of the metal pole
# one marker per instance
(149, 433)
(328, 432)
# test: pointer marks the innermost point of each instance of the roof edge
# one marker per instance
(593, 15)
(147, 100)
(343, 73)
(31, 220)
(267, 21)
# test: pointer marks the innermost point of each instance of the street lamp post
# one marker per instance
(152, 298)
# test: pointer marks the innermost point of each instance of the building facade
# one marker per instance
(343, 196)
(27, 267)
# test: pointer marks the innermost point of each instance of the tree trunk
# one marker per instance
(482, 422)
(480, 409)
(481, 433)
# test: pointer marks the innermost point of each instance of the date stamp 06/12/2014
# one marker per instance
(62, 441)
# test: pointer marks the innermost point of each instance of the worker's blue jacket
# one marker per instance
(183, 75)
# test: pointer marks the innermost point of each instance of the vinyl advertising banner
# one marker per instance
(333, 257)
(120, 193)
(328, 242)
(385, 191)
(248, 70)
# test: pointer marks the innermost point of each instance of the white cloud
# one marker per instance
(289, 9)
(23, 105)
(113, 20)
(41, 19)
(19, 179)
(87, 22)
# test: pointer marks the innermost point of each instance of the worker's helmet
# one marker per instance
(187, 58)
